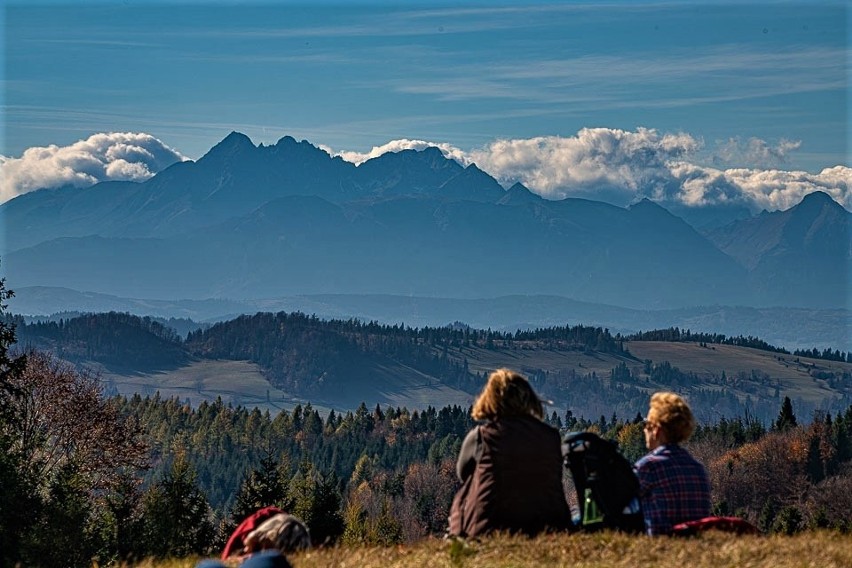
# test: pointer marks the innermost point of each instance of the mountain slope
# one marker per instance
(248, 221)
(639, 257)
(801, 256)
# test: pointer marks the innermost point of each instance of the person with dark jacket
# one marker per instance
(673, 486)
(510, 466)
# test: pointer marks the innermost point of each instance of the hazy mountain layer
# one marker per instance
(249, 222)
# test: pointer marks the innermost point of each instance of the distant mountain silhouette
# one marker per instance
(248, 221)
(803, 254)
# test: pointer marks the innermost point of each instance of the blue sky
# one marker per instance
(762, 86)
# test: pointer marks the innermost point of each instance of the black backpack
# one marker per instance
(607, 486)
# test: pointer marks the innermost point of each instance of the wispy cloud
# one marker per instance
(724, 73)
(754, 151)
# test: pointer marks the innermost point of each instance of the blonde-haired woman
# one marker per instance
(673, 486)
(510, 466)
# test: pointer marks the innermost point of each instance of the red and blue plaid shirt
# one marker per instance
(673, 488)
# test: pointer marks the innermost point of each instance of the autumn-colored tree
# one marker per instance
(830, 501)
(19, 502)
(63, 418)
(772, 469)
(428, 491)
(631, 441)
(69, 447)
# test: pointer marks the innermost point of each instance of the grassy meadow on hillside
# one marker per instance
(399, 385)
(796, 374)
(711, 550)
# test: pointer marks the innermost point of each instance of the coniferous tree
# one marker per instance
(267, 485)
(317, 501)
(176, 516)
(66, 536)
(786, 418)
(122, 521)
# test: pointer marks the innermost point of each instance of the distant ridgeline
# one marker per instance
(315, 359)
(676, 334)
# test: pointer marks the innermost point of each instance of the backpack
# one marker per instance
(268, 528)
(607, 487)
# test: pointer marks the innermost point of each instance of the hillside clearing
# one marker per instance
(387, 382)
(793, 372)
(236, 382)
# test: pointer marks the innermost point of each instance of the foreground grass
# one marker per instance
(711, 550)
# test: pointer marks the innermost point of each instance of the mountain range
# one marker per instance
(248, 222)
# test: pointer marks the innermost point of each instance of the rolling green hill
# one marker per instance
(275, 361)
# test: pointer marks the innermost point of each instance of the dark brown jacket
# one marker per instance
(516, 484)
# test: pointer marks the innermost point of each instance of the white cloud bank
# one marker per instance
(622, 166)
(448, 150)
(607, 164)
(101, 157)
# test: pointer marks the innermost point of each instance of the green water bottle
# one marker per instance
(591, 512)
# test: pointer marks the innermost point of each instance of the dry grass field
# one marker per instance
(236, 382)
(391, 383)
(793, 372)
(710, 550)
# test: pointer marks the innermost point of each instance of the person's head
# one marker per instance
(669, 420)
(507, 394)
(282, 532)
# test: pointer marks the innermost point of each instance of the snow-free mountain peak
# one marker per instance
(233, 143)
(265, 221)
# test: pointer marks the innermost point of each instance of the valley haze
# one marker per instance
(414, 236)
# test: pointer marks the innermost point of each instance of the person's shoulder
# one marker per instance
(693, 462)
(651, 460)
(543, 426)
(681, 454)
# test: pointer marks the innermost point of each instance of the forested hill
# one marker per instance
(299, 352)
(294, 358)
(309, 355)
(114, 339)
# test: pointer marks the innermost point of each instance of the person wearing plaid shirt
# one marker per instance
(673, 486)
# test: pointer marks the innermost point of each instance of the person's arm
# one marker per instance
(654, 508)
(468, 455)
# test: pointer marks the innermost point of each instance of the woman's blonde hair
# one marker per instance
(673, 415)
(507, 394)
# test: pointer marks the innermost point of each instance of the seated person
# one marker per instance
(510, 466)
(262, 540)
(673, 486)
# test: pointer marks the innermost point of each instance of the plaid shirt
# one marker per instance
(673, 488)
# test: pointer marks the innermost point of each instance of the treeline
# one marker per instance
(221, 441)
(675, 334)
(316, 359)
(112, 338)
(309, 356)
(826, 354)
(298, 353)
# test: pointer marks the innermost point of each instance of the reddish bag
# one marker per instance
(235, 542)
(726, 524)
